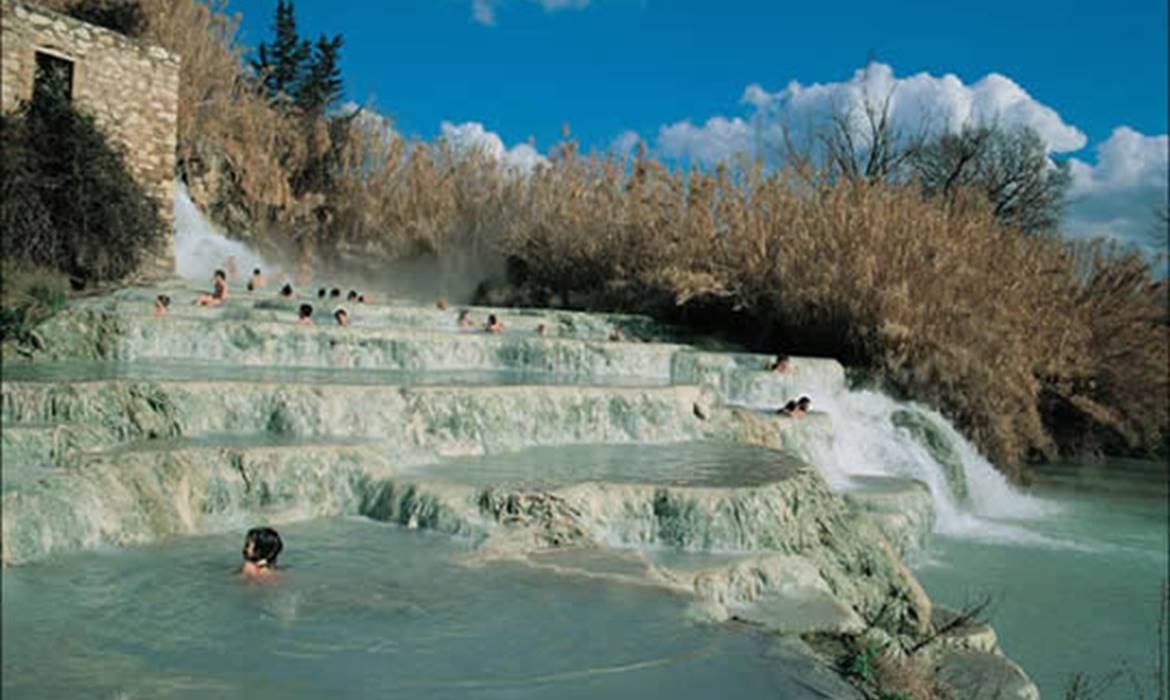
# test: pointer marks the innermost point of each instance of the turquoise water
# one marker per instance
(361, 610)
(1078, 591)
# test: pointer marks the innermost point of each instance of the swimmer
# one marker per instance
(788, 409)
(617, 336)
(494, 325)
(361, 298)
(257, 280)
(286, 291)
(802, 406)
(305, 315)
(441, 304)
(342, 317)
(161, 303)
(542, 330)
(321, 293)
(219, 293)
(780, 365)
(352, 296)
(464, 320)
(335, 293)
(262, 546)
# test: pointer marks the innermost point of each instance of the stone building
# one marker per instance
(130, 87)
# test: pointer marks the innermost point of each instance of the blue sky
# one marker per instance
(521, 68)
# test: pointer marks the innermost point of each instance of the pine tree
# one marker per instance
(322, 84)
(281, 64)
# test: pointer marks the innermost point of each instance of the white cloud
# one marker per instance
(468, 136)
(919, 103)
(717, 139)
(625, 142)
(484, 11)
(1117, 196)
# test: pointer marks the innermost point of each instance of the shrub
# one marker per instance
(70, 203)
(28, 296)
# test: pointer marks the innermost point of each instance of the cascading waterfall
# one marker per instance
(200, 248)
(874, 434)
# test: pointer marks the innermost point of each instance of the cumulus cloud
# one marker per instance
(919, 104)
(468, 136)
(484, 11)
(625, 142)
(717, 139)
(1116, 197)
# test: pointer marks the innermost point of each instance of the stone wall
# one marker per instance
(130, 87)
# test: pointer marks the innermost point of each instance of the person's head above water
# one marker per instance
(334, 293)
(353, 295)
(305, 311)
(262, 546)
(342, 317)
(220, 274)
(286, 290)
(256, 271)
(163, 300)
(804, 402)
(321, 293)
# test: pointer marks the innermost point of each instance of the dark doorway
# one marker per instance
(54, 78)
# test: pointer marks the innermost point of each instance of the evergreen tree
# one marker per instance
(281, 64)
(322, 84)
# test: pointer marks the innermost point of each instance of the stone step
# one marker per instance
(456, 419)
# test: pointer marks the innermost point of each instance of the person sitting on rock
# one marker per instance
(161, 303)
(342, 317)
(257, 281)
(335, 293)
(464, 320)
(494, 325)
(787, 409)
(219, 292)
(286, 291)
(305, 315)
(780, 365)
(262, 546)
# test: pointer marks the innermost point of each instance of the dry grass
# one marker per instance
(908, 678)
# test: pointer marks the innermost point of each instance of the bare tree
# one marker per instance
(1010, 166)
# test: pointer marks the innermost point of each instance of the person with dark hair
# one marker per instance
(335, 293)
(262, 546)
(542, 330)
(362, 299)
(257, 281)
(494, 325)
(219, 292)
(780, 365)
(161, 303)
(305, 315)
(321, 293)
(787, 409)
(464, 319)
(286, 291)
(342, 317)
(352, 296)
(803, 404)
(441, 304)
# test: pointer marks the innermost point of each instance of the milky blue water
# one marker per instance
(361, 610)
(1079, 590)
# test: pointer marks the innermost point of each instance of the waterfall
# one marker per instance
(200, 248)
(875, 434)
